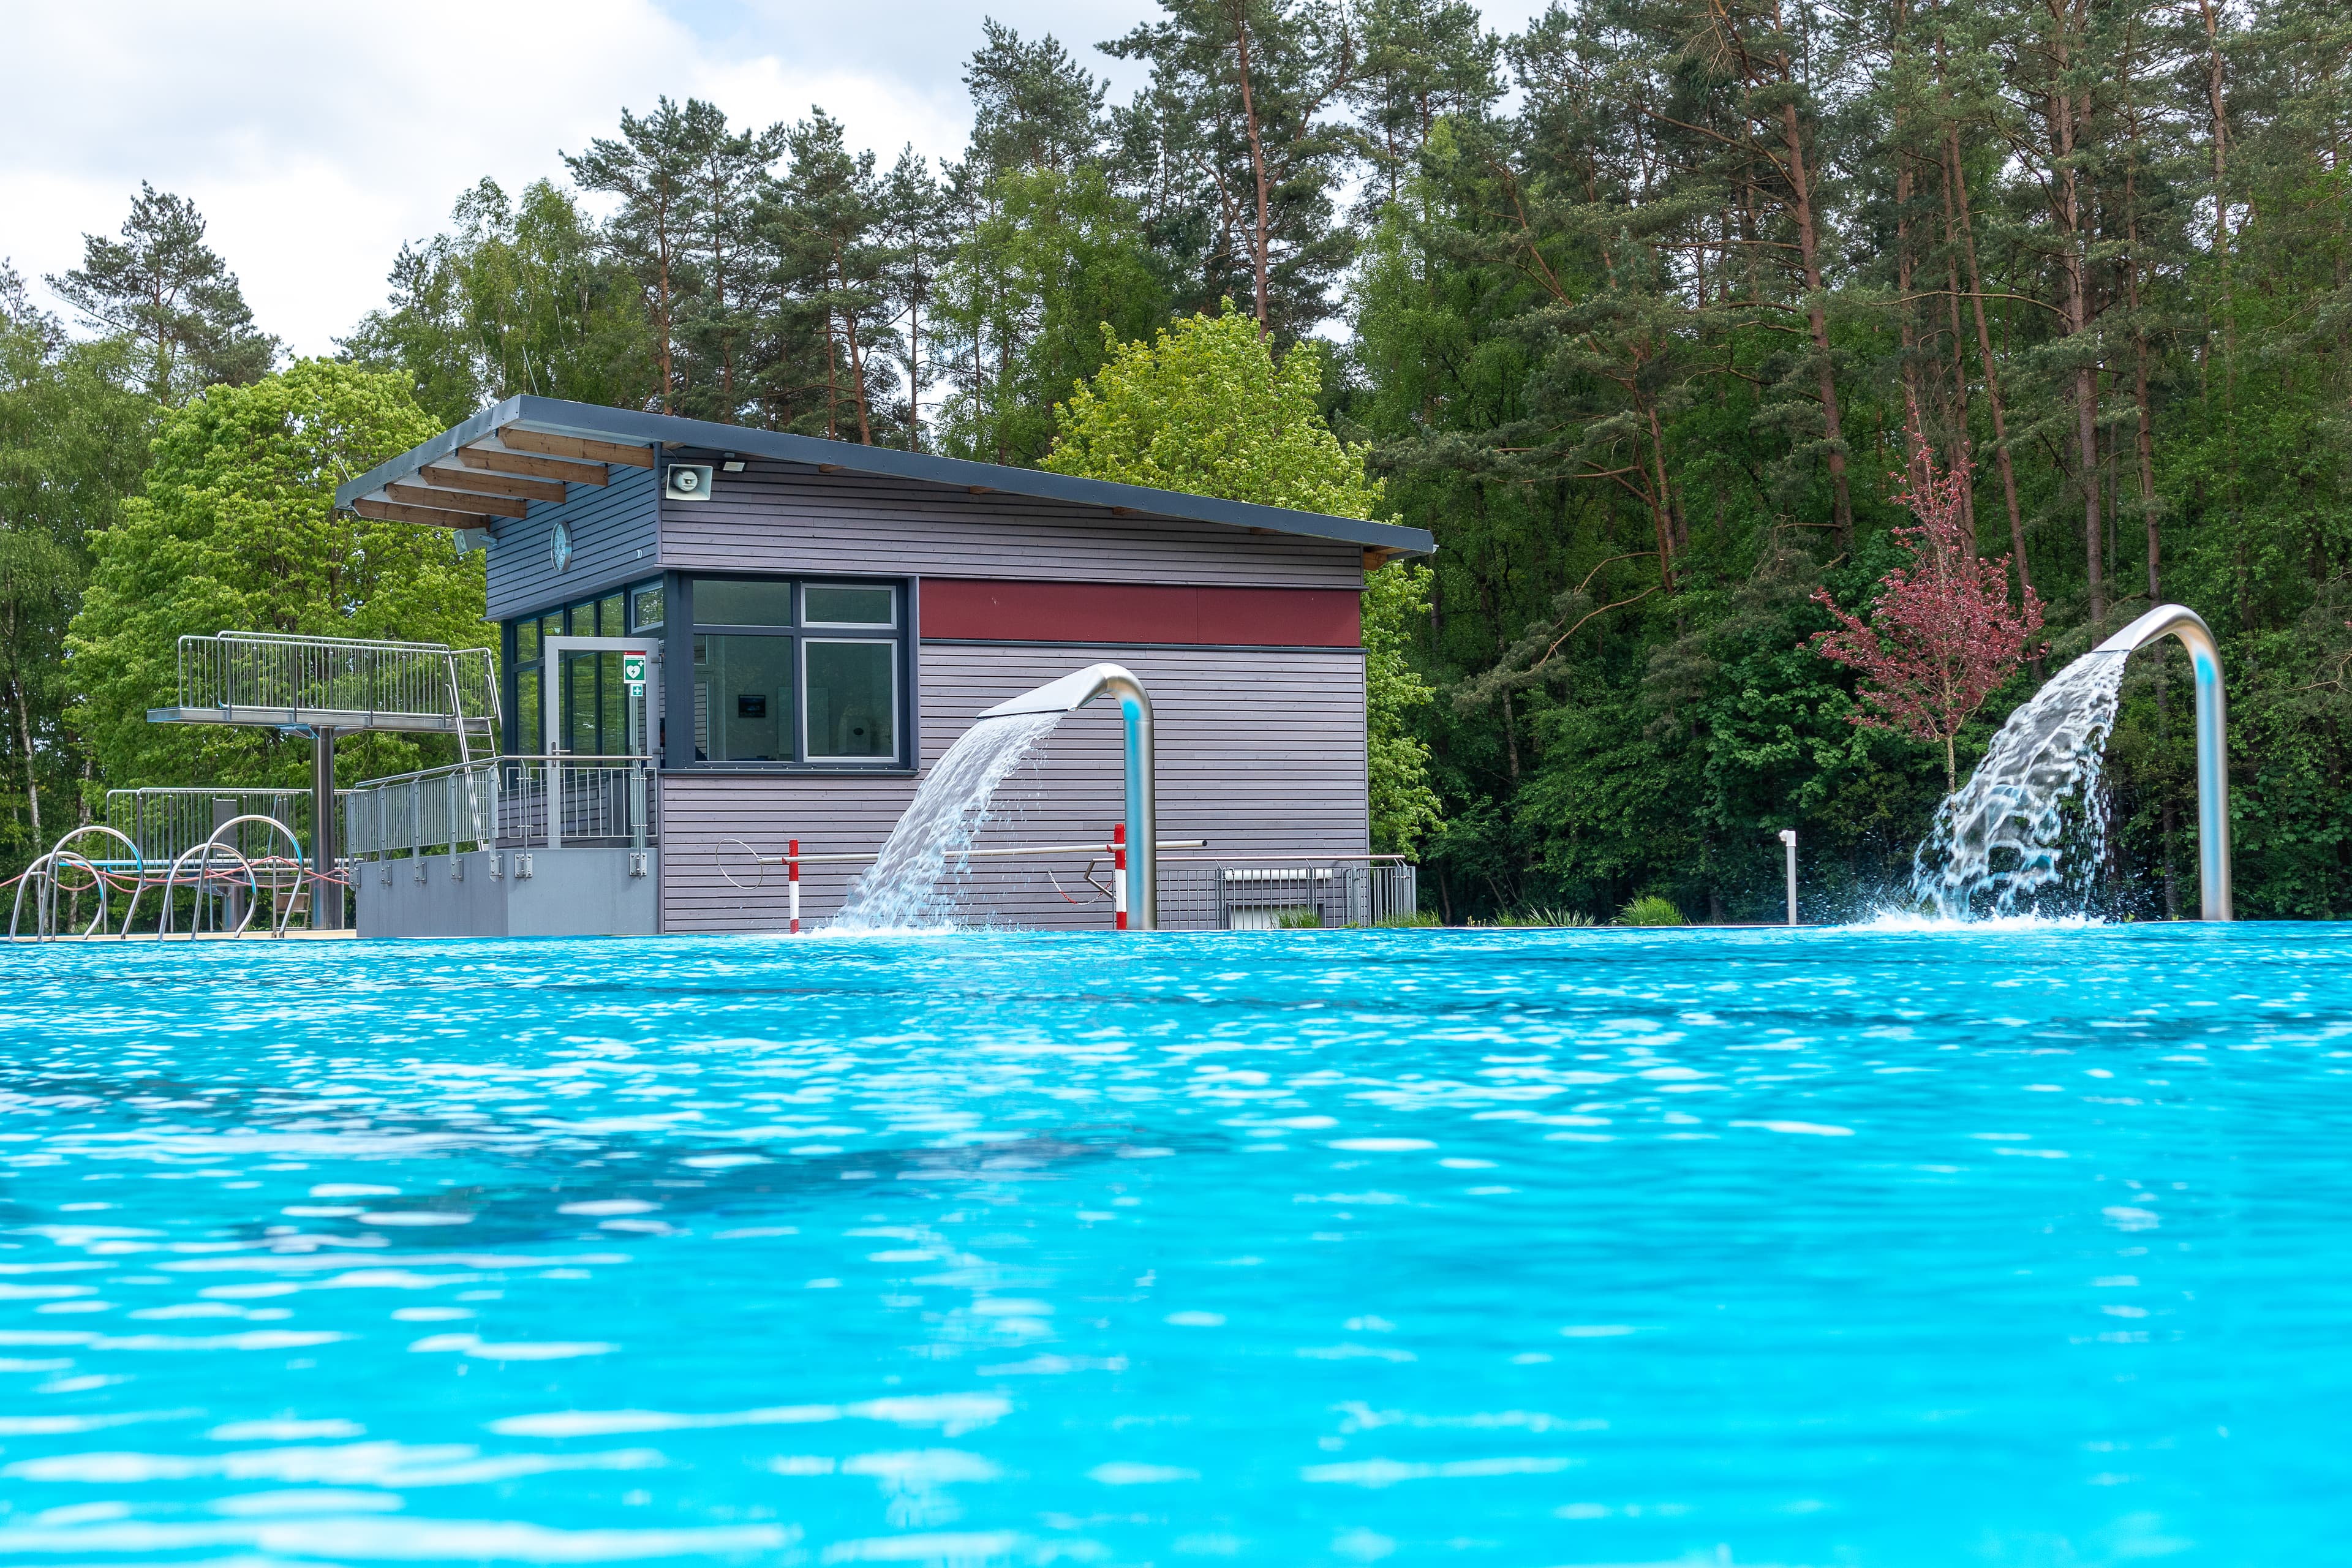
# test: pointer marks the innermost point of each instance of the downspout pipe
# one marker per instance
(2212, 744)
(1073, 693)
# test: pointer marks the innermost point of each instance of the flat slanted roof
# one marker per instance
(489, 468)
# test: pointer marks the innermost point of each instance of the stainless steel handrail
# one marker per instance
(522, 802)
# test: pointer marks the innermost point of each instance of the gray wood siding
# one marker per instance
(776, 517)
(613, 542)
(1261, 753)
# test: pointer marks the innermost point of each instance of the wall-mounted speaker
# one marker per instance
(689, 481)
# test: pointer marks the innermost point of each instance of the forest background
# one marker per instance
(1630, 309)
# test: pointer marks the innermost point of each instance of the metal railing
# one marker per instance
(339, 683)
(166, 821)
(512, 803)
(1354, 893)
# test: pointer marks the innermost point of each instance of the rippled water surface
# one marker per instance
(2016, 1246)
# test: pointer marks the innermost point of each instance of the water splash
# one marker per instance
(901, 888)
(2036, 797)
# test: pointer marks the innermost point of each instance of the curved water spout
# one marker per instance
(1073, 693)
(2213, 743)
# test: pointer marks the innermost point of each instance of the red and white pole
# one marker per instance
(792, 878)
(1118, 876)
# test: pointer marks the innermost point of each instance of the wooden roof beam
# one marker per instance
(450, 500)
(492, 484)
(535, 467)
(432, 517)
(521, 440)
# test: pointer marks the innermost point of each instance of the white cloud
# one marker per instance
(315, 138)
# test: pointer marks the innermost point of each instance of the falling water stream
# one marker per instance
(2030, 817)
(901, 888)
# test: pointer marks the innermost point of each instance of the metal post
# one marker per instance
(792, 880)
(1119, 877)
(326, 895)
(1789, 841)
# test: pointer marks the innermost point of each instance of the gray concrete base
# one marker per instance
(510, 893)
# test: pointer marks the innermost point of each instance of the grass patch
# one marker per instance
(1651, 910)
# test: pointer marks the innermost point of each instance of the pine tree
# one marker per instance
(162, 287)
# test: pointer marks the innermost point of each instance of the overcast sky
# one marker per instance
(316, 138)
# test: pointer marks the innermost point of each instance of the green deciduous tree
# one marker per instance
(1207, 408)
(235, 530)
(521, 296)
(74, 426)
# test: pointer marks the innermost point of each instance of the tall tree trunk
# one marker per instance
(24, 739)
(1259, 237)
(1960, 362)
(1658, 515)
(1910, 325)
(1809, 248)
(2217, 109)
(2144, 441)
(1958, 175)
(662, 310)
(915, 371)
(857, 358)
(832, 373)
(2078, 325)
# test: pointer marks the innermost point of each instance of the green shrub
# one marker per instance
(1537, 915)
(1417, 918)
(1298, 919)
(1651, 910)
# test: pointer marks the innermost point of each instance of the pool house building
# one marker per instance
(718, 641)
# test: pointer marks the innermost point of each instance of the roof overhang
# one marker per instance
(489, 468)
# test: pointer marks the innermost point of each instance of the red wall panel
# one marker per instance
(1131, 612)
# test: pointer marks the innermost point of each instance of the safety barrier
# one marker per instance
(515, 802)
(1328, 890)
(344, 683)
(164, 821)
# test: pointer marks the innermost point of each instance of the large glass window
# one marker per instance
(853, 694)
(744, 707)
(592, 698)
(796, 673)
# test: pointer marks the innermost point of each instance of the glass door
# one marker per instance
(603, 701)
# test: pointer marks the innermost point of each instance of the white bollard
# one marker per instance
(1789, 839)
(792, 880)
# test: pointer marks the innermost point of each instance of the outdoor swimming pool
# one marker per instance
(2021, 1246)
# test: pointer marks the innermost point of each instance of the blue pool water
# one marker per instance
(2019, 1246)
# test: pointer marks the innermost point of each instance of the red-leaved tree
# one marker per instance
(1941, 637)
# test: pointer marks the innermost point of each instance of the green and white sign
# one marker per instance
(633, 670)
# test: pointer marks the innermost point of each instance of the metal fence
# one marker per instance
(512, 803)
(249, 676)
(1313, 893)
(166, 821)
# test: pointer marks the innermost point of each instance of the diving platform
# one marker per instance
(275, 680)
(320, 687)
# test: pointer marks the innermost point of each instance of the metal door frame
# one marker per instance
(644, 720)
